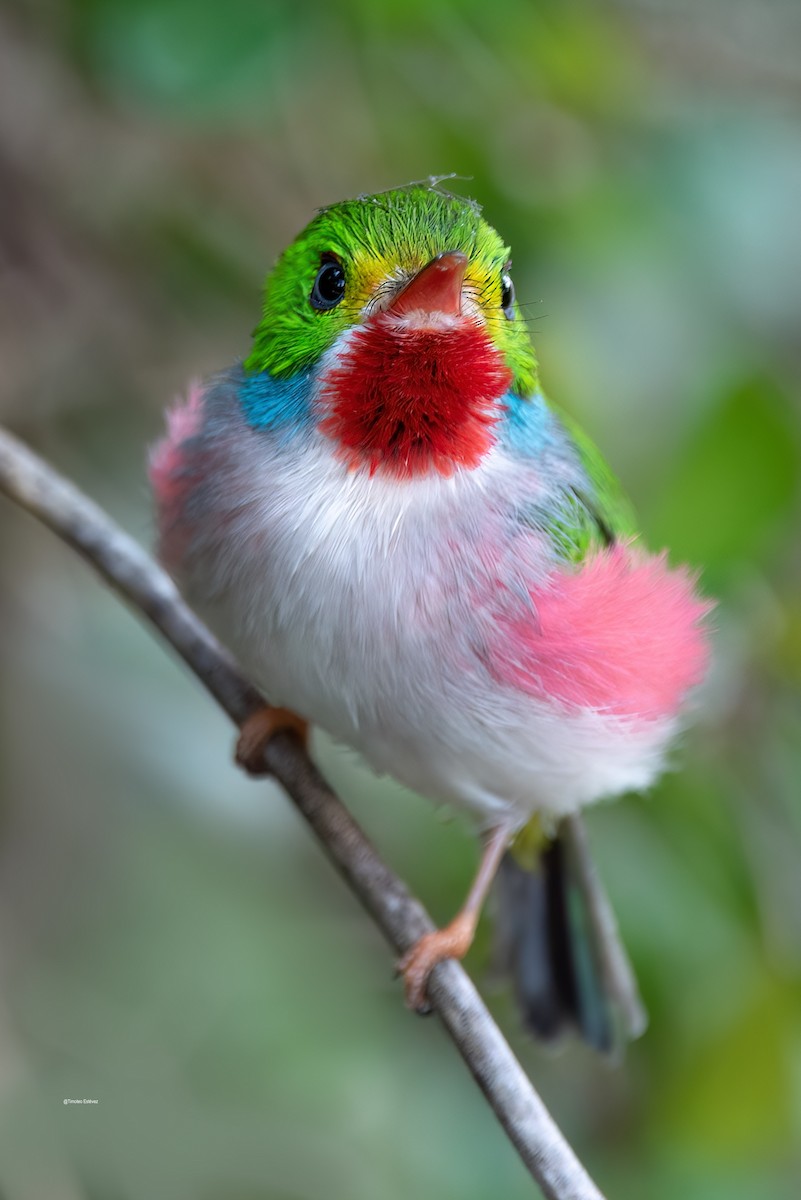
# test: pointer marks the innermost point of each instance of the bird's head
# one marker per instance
(401, 307)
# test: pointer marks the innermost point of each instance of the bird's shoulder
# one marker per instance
(583, 505)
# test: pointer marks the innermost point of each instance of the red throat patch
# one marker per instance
(408, 400)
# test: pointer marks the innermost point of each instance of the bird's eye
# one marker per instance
(507, 296)
(329, 285)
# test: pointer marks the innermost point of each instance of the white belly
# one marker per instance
(348, 600)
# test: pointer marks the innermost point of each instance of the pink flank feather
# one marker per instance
(166, 468)
(623, 635)
(173, 470)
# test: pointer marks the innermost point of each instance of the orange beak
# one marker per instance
(436, 288)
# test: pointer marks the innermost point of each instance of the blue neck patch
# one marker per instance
(527, 427)
(284, 405)
(277, 404)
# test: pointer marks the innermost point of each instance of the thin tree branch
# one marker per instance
(37, 487)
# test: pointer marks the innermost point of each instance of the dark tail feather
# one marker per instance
(558, 938)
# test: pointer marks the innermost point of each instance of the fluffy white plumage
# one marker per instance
(360, 602)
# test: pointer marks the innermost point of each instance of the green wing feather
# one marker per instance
(598, 515)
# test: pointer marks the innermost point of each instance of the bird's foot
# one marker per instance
(259, 728)
(452, 941)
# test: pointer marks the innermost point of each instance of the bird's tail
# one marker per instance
(558, 938)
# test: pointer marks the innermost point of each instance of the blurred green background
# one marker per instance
(174, 945)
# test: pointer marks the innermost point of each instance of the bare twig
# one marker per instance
(35, 486)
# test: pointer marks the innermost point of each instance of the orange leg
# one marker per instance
(456, 938)
(259, 728)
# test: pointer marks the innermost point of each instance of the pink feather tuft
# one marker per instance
(172, 473)
(166, 465)
(623, 635)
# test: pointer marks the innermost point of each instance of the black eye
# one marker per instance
(507, 296)
(329, 285)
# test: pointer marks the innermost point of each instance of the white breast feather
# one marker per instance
(348, 598)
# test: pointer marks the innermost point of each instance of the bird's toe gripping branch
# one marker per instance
(452, 941)
(260, 728)
(455, 939)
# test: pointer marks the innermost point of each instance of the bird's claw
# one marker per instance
(259, 728)
(416, 965)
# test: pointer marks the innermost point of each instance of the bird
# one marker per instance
(408, 546)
